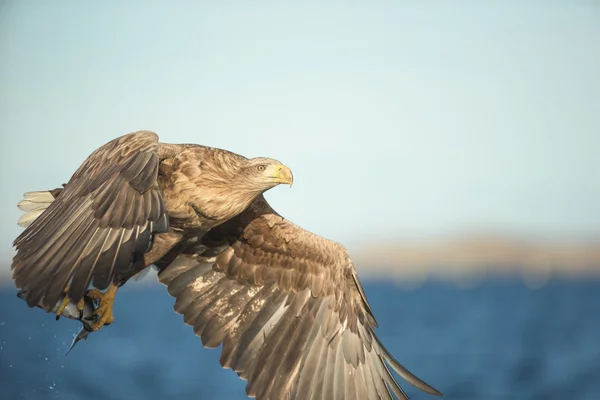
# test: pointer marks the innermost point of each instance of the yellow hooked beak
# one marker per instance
(281, 174)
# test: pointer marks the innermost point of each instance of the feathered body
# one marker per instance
(286, 304)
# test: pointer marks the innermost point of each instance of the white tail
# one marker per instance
(33, 203)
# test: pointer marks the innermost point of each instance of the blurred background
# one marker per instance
(452, 147)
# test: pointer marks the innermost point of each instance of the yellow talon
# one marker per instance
(104, 313)
(65, 302)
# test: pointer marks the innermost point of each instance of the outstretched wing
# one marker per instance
(106, 214)
(288, 308)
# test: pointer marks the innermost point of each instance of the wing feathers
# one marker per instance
(285, 343)
(37, 247)
(219, 311)
(196, 307)
(48, 262)
(254, 336)
(326, 390)
(105, 215)
(289, 351)
(147, 173)
(247, 316)
(222, 321)
(311, 367)
(83, 271)
(360, 383)
(288, 309)
(405, 373)
(274, 355)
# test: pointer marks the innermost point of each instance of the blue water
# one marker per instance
(499, 340)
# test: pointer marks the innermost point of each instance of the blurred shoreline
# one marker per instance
(461, 258)
(475, 257)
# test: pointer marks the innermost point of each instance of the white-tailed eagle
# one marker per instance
(286, 304)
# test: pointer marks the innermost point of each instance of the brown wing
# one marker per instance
(289, 310)
(106, 214)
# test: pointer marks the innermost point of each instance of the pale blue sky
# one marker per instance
(396, 118)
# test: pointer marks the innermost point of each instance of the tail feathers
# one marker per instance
(34, 204)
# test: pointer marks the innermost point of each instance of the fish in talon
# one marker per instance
(81, 335)
(71, 310)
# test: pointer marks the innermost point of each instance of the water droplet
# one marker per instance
(46, 358)
(2, 323)
(10, 366)
(51, 387)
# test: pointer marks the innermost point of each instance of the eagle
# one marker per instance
(286, 305)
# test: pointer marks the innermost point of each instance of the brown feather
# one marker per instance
(300, 325)
(86, 232)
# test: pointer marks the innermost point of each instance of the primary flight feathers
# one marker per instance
(286, 305)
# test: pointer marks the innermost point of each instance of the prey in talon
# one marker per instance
(83, 311)
(81, 335)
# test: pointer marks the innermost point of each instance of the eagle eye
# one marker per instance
(260, 168)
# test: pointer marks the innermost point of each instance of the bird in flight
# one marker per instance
(286, 305)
